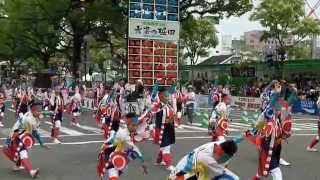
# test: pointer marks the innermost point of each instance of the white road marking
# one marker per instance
(91, 129)
(5, 131)
(67, 130)
(44, 133)
(193, 127)
(240, 124)
(187, 131)
(65, 135)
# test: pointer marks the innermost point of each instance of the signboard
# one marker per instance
(243, 72)
(152, 29)
(153, 38)
(306, 107)
(246, 102)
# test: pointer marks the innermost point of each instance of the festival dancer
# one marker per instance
(99, 94)
(22, 139)
(219, 119)
(110, 116)
(22, 107)
(213, 156)
(315, 140)
(121, 95)
(214, 100)
(75, 107)
(64, 91)
(2, 108)
(178, 99)
(273, 125)
(164, 134)
(15, 98)
(138, 103)
(215, 96)
(45, 101)
(118, 150)
(190, 104)
(288, 93)
(101, 104)
(56, 103)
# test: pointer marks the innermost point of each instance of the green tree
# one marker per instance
(217, 8)
(197, 37)
(283, 20)
(99, 18)
(300, 51)
(27, 32)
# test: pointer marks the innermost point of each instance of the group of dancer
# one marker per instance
(128, 115)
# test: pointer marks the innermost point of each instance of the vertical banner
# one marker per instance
(153, 33)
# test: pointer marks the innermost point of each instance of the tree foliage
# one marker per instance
(285, 19)
(198, 36)
(218, 8)
(41, 30)
(51, 26)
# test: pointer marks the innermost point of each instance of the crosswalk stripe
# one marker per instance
(194, 127)
(91, 129)
(241, 124)
(233, 130)
(5, 131)
(68, 131)
(238, 126)
(44, 133)
(234, 126)
(187, 131)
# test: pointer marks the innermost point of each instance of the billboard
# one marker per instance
(153, 46)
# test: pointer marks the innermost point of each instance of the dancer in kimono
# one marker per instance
(21, 140)
(273, 126)
(57, 108)
(75, 107)
(315, 140)
(213, 156)
(164, 133)
(219, 122)
(118, 150)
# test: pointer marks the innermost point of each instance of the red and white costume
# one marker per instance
(75, 107)
(274, 126)
(65, 96)
(315, 140)
(45, 101)
(22, 140)
(219, 121)
(99, 94)
(57, 107)
(110, 118)
(178, 101)
(164, 133)
(198, 160)
(116, 153)
(103, 102)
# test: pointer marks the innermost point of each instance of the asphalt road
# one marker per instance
(75, 158)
